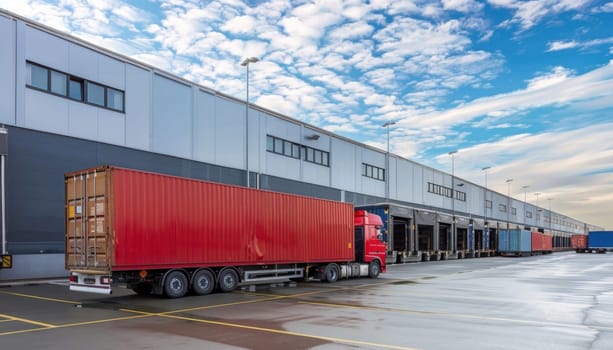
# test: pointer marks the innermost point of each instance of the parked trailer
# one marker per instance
(579, 243)
(515, 242)
(541, 243)
(600, 241)
(159, 234)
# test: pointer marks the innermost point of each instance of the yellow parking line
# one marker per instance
(68, 325)
(276, 331)
(13, 318)
(41, 298)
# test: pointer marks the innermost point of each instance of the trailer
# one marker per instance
(579, 243)
(515, 242)
(541, 243)
(600, 241)
(166, 235)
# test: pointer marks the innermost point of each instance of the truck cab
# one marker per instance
(370, 241)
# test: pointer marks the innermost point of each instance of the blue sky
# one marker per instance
(525, 87)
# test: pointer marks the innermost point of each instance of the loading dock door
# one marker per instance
(425, 234)
(444, 239)
(401, 233)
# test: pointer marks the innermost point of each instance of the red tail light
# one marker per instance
(73, 279)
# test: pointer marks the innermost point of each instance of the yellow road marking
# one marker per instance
(41, 298)
(74, 324)
(13, 318)
(275, 331)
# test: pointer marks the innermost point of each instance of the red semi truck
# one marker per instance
(166, 235)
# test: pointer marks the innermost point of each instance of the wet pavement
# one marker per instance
(560, 301)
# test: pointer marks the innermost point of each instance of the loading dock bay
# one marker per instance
(559, 301)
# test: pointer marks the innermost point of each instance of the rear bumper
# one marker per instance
(91, 283)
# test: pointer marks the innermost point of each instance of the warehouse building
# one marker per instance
(68, 105)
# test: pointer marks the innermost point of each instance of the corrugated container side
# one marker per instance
(578, 241)
(164, 221)
(514, 241)
(541, 242)
(600, 239)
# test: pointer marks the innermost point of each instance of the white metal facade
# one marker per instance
(168, 115)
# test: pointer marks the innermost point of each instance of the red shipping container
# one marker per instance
(578, 241)
(541, 242)
(121, 219)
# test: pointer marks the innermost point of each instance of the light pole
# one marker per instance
(550, 213)
(387, 160)
(509, 203)
(537, 194)
(453, 228)
(525, 188)
(487, 226)
(245, 63)
(4, 142)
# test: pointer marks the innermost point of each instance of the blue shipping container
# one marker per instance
(600, 239)
(515, 241)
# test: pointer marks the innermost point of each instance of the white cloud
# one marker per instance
(608, 7)
(529, 13)
(351, 31)
(581, 168)
(462, 5)
(564, 45)
(240, 24)
(552, 89)
(557, 76)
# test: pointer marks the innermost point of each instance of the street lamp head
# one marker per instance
(525, 186)
(486, 167)
(388, 124)
(509, 180)
(246, 61)
(453, 152)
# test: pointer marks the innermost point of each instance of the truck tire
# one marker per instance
(175, 285)
(374, 269)
(331, 273)
(228, 280)
(203, 282)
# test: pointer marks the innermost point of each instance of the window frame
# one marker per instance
(66, 93)
(373, 172)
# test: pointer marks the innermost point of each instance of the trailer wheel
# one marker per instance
(374, 269)
(228, 280)
(175, 285)
(331, 273)
(203, 282)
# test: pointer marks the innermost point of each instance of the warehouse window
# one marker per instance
(488, 204)
(78, 89)
(75, 89)
(95, 93)
(316, 156)
(58, 83)
(502, 208)
(461, 196)
(528, 214)
(282, 147)
(373, 172)
(114, 99)
(37, 76)
(513, 211)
